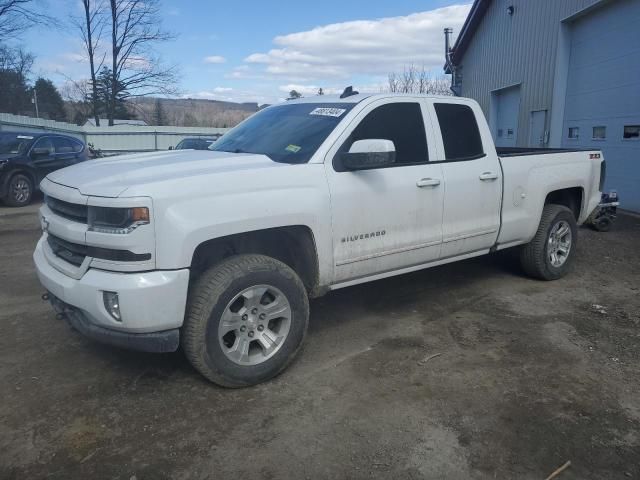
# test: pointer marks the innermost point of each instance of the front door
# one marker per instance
(43, 157)
(388, 218)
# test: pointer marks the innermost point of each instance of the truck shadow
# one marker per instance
(394, 296)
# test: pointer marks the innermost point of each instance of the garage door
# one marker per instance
(602, 108)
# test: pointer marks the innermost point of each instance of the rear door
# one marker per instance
(66, 152)
(387, 218)
(473, 178)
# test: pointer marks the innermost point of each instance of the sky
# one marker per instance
(257, 51)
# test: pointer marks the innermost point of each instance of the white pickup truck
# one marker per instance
(218, 251)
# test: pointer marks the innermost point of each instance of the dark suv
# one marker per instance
(26, 158)
(196, 143)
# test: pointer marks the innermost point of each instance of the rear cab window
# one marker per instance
(460, 132)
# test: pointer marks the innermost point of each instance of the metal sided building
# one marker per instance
(557, 73)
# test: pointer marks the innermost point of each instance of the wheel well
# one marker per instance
(569, 197)
(292, 245)
(24, 172)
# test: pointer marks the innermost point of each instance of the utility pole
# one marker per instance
(34, 100)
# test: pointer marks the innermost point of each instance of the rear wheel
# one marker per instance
(550, 254)
(247, 318)
(19, 191)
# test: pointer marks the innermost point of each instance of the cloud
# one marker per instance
(362, 47)
(308, 90)
(74, 57)
(214, 59)
(222, 89)
(243, 72)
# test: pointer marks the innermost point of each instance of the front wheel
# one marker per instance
(246, 320)
(550, 253)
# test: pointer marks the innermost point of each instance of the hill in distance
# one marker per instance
(191, 112)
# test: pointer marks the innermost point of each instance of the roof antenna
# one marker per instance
(349, 91)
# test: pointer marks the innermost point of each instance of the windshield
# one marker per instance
(285, 133)
(14, 144)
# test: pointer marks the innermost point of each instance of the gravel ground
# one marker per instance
(529, 375)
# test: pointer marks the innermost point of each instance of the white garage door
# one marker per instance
(602, 108)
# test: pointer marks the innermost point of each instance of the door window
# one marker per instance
(401, 123)
(460, 133)
(45, 143)
(63, 145)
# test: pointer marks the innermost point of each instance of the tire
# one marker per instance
(537, 257)
(229, 296)
(602, 224)
(19, 191)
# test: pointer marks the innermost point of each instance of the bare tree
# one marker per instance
(76, 95)
(91, 27)
(414, 80)
(16, 59)
(16, 16)
(136, 70)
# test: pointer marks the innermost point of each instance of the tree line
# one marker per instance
(119, 38)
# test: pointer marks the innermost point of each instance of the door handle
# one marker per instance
(486, 176)
(428, 182)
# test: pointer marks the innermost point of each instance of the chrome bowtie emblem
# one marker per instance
(45, 225)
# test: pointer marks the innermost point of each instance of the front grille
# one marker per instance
(70, 211)
(69, 251)
(75, 253)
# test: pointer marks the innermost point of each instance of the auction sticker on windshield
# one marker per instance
(328, 111)
(293, 148)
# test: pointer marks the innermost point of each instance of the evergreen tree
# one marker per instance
(104, 97)
(50, 103)
(14, 93)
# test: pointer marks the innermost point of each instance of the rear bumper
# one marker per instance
(156, 342)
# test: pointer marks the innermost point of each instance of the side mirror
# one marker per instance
(171, 147)
(40, 152)
(369, 154)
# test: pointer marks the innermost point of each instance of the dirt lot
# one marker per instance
(530, 375)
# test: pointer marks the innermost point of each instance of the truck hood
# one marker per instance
(111, 177)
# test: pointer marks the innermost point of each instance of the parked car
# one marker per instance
(221, 251)
(26, 158)
(196, 143)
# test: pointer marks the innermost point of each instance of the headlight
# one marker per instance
(117, 220)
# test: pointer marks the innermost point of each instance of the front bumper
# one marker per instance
(150, 302)
(156, 342)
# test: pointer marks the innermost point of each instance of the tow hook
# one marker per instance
(62, 310)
